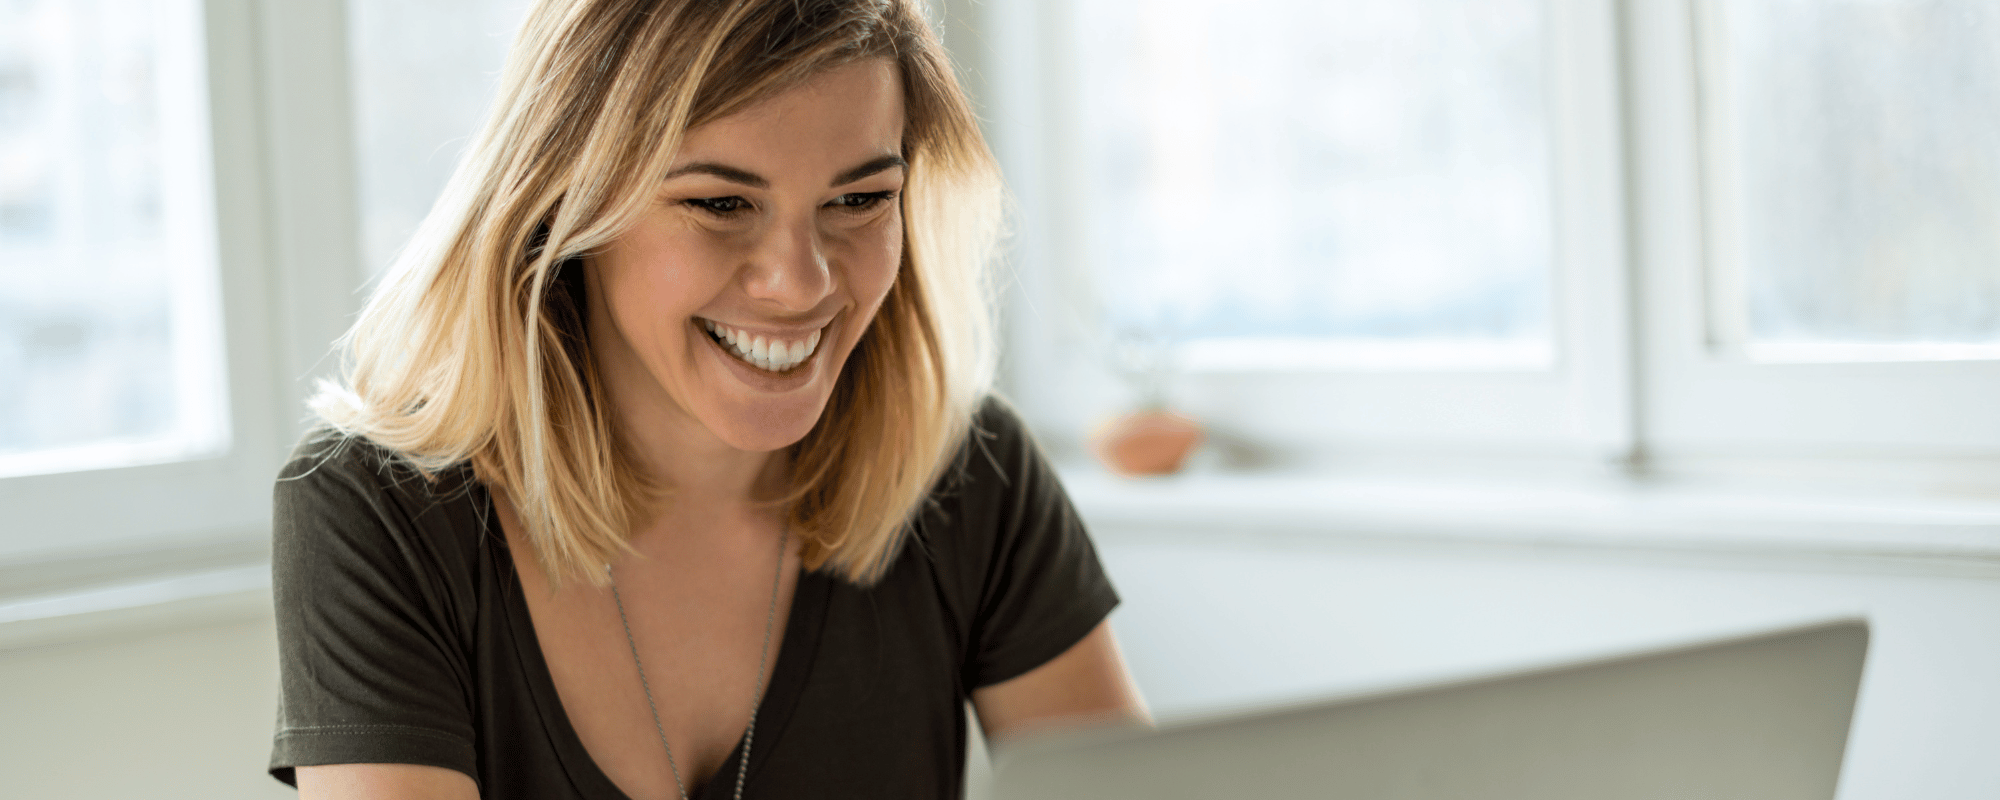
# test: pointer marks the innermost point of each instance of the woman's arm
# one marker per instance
(384, 782)
(1086, 685)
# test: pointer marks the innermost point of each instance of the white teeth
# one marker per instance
(764, 353)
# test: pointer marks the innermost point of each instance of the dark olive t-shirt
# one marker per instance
(403, 636)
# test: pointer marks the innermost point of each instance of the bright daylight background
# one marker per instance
(1522, 330)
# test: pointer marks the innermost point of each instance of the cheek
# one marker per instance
(659, 280)
(882, 257)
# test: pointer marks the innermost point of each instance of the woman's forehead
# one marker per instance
(820, 130)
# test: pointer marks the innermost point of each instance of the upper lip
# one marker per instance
(784, 332)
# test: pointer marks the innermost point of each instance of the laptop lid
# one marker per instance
(1762, 717)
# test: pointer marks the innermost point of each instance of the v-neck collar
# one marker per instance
(788, 679)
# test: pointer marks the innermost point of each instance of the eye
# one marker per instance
(861, 201)
(719, 206)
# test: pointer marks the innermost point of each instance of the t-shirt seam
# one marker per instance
(335, 730)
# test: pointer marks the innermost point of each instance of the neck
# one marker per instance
(717, 506)
(700, 469)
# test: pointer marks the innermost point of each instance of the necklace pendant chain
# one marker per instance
(756, 700)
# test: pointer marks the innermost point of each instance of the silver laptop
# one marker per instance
(1761, 717)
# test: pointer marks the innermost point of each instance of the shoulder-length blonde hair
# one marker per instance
(473, 350)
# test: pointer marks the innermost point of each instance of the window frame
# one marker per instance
(280, 155)
(1638, 390)
(1578, 408)
(1709, 406)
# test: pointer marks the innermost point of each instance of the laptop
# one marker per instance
(1760, 717)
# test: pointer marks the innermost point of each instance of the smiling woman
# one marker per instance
(737, 294)
(664, 465)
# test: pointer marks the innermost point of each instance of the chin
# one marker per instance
(768, 426)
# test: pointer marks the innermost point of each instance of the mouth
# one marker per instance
(764, 351)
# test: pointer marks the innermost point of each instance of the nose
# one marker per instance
(789, 269)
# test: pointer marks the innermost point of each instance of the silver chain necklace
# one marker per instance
(757, 700)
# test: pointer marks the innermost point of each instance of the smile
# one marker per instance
(770, 354)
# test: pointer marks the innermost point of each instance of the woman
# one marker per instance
(667, 442)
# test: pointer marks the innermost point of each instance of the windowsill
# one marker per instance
(71, 599)
(1960, 536)
(74, 599)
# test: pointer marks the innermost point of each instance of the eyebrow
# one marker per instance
(755, 181)
(881, 164)
(723, 171)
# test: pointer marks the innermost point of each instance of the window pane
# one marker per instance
(109, 325)
(1865, 174)
(1349, 172)
(424, 74)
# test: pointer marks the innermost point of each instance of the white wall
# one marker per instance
(182, 713)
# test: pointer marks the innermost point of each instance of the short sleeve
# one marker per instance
(372, 648)
(1038, 585)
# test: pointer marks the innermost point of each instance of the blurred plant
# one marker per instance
(1150, 439)
(1144, 357)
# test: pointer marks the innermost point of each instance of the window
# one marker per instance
(1854, 186)
(278, 152)
(1751, 237)
(176, 236)
(108, 330)
(1846, 318)
(1401, 210)
(1404, 213)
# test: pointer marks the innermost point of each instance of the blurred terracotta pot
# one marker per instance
(1154, 442)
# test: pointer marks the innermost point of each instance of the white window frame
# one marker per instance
(1639, 387)
(1710, 408)
(281, 166)
(1577, 409)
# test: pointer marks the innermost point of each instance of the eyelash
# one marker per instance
(869, 201)
(715, 205)
(732, 205)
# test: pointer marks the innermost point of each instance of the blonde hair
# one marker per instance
(473, 349)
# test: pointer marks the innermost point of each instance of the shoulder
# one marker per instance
(332, 466)
(341, 494)
(998, 422)
(376, 593)
(998, 449)
(326, 457)
(999, 497)
(1015, 560)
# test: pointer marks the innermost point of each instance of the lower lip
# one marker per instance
(764, 380)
